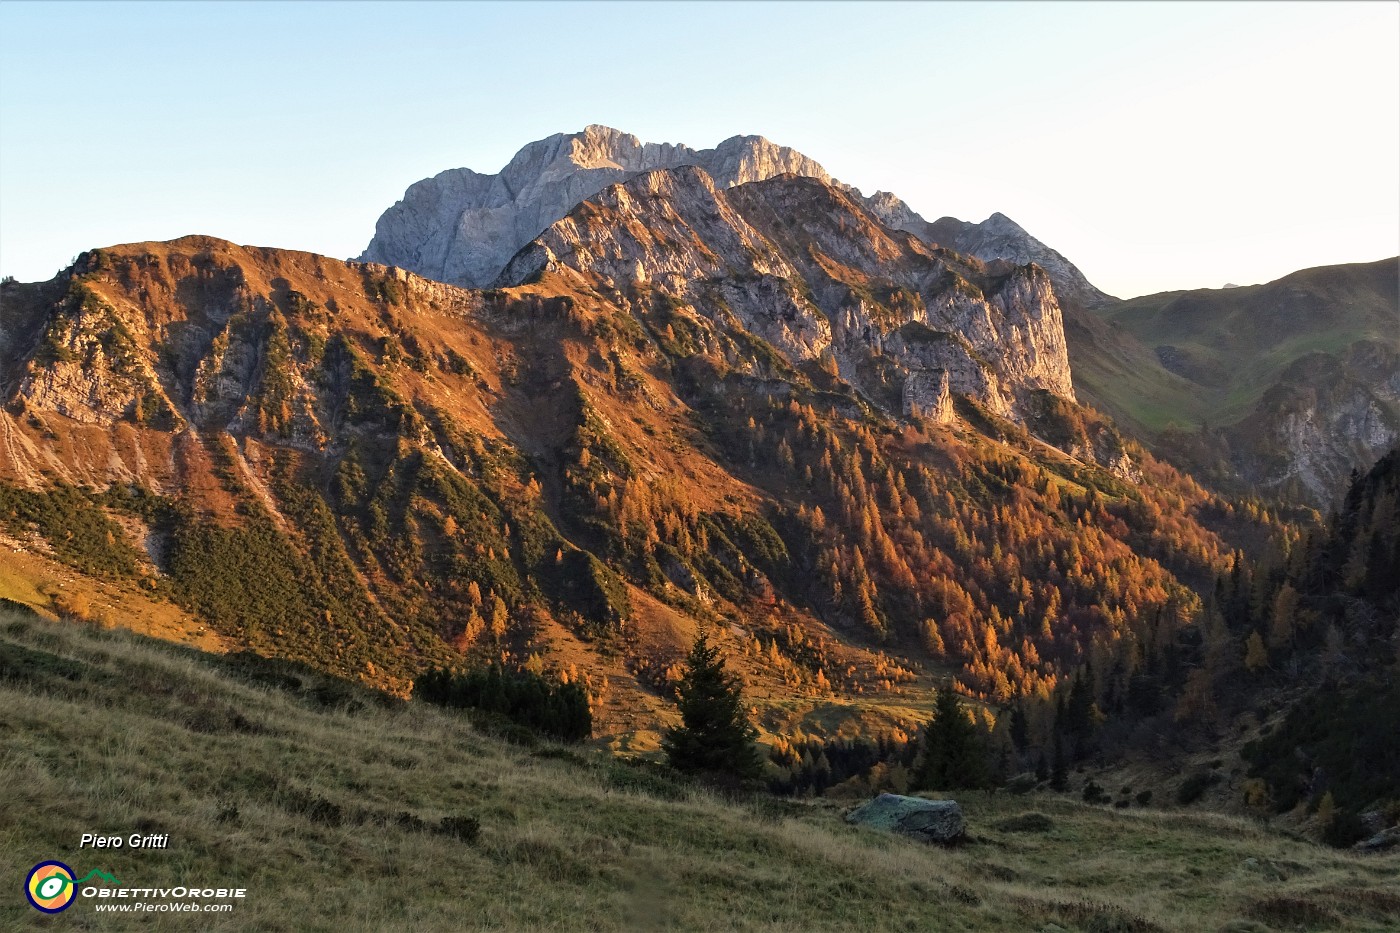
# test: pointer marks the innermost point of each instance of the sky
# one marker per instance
(1158, 146)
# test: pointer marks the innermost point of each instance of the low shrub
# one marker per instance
(1194, 787)
(1093, 793)
(464, 828)
(1025, 823)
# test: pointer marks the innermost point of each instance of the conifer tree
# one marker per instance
(715, 736)
(1059, 770)
(953, 755)
(1079, 720)
(1256, 655)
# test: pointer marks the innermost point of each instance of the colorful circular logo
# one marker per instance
(50, 887)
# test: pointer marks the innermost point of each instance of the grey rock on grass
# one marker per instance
(932, 821)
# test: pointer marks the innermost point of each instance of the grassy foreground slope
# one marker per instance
(328, 807)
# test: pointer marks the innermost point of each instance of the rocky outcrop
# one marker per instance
(806, 267)
(88, 366)
(996, 238)
(462, 227)
(931, 821)
(1000, 237)
(674, 231)
(1327, 416)
(928, 395)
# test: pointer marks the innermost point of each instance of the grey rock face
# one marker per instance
(462, 227)
(1327, 416)
(92, 377)
(932, 821)
(806, 267)
(677, 232)
(1000, 237)
(929, 396)
(997, 237)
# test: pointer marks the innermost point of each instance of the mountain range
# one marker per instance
(1161, 373)
(568, 415)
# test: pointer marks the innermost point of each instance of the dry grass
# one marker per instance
(329, 817)
(29, 575)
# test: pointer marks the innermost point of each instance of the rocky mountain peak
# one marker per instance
(462, 227)
(1000, 225)
(1000, 237)
(743, 159)
(595, 148)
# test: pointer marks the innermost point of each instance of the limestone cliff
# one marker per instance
(808, 268)
(461, 226)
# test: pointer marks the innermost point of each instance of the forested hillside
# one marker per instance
(353, 467)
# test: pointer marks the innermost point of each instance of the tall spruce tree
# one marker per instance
(954, 757)
(715, 736)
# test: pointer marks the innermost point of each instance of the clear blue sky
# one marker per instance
(1158, 146)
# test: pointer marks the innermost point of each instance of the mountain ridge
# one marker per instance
(678, 231)
(587, 474)
(463, 227)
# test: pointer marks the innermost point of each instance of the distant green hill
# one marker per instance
(1116, 373)
(1290, 384)
(339, 809)
(1234, 344)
